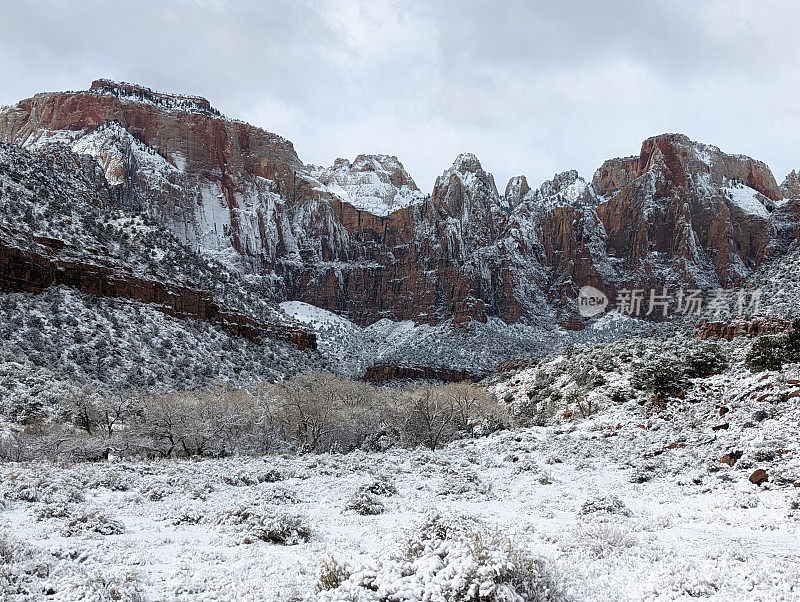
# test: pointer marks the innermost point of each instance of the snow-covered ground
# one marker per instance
(631, 502)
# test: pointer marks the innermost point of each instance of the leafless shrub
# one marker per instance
(332, 574)
(598, 539)
(436, 415)
(322, 412)
(314, 412)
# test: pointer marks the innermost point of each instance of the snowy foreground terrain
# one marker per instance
(630, 502)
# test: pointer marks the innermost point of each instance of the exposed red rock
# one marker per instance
(791, 185)
(24, 270)
(732, 329)
(380, 373)
(759, 476)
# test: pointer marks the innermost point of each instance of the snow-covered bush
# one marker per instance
(643, 473)
(243, 478)
(598, 540)
(185, 514)
(50, 510)
(45, 485)
(18, 568)
(771, 352)
(604, 505)
(332, 574)
(364, 503)
(453, 559)
(115, 480)
(176, 483)
(73, 583)
(271, 494)
(662, 378)
(380, 485)
(666, 366)
(91, 520)
(543, 403)
(258, 522)
(462, 481)
(703, 359)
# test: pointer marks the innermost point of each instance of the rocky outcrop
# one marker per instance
(732, 329)
(377, 184)
(24, 270)
(759, 477)
(58, 229)
(381, 373)
(361, 239)
(686, 213)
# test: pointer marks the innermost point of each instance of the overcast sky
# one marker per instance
(530, 87)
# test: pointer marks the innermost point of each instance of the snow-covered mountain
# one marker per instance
(378, 184)
(360, 239)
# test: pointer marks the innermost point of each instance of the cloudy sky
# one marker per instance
(532, 87)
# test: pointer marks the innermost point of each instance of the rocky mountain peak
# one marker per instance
(566, 188)
(791, 185)
(378, 184)
(465, 187)
(467, 162)
(516, 190)
(361, 239)
(387, 164)
(614, 174)
(679, 162)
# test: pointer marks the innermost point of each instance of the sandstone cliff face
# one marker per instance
(32, 272)
(686, 213)
(361, 239)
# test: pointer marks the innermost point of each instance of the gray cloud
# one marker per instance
(530, 87)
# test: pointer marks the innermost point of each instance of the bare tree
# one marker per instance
(431, 418)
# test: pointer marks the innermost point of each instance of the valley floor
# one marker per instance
(624, 506)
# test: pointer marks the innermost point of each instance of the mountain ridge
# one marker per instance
(362, 240)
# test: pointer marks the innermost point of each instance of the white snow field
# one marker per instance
(629, 503)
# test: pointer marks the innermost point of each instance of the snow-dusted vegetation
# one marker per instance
(645, 469)
(61, 339)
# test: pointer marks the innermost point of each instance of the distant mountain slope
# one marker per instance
(361, 240)
(95, 294)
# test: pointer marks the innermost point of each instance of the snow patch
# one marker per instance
(746, 199)
(314, 316)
